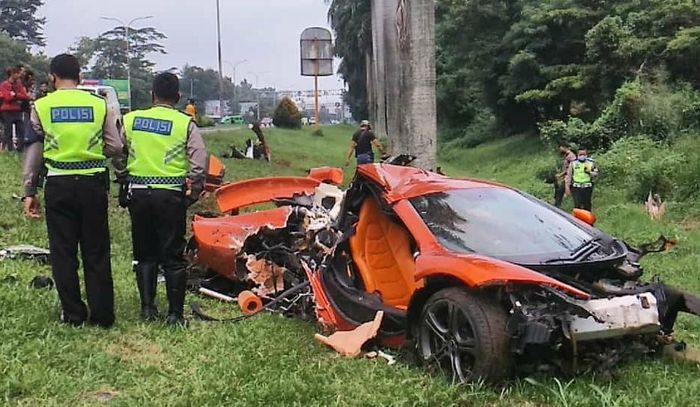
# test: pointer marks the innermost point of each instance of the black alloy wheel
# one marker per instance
(464, 336)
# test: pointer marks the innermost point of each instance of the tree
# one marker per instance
(287, 115)
(105, 57)
(13, 52)
(404, 62)
(351, 22)
(18, 19)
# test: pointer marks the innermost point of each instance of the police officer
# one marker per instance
(165, 149)
(579, 180)
(75, 135)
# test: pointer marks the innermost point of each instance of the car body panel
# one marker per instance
(241, 194)
(220, 240)
(479, 271)
(407, 182)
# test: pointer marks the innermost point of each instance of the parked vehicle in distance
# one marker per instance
(232, 120)
(110, 95)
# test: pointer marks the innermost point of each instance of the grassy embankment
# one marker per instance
(275, 361)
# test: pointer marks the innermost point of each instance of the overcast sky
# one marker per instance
(265, 32)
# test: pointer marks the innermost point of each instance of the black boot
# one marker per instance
(176, 284)
(146, 280)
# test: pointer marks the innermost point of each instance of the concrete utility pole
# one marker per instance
(127, 28)
(221, 75)
(233, 68)
(402, 77)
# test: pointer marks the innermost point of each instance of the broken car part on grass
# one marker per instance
(477, 279)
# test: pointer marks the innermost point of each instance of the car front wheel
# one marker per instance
(464, 335)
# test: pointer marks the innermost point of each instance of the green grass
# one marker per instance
(275, 361)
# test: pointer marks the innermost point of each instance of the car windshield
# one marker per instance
(501, 223)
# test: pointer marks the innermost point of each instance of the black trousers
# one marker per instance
(582, 197)
(158, 227)
(13, 120)
(76, 214)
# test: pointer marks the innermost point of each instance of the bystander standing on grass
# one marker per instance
(78, 134)
(580, 179)
(560, 178)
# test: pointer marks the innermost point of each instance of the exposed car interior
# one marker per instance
(381, 251)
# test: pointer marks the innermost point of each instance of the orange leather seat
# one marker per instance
(381, 251)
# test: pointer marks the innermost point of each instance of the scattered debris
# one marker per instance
(349, 343)
(267, 276)
(249, 302)
(39, 282)
(25, 252)
(655, 207)
(391, 360)
(217, 295)
(253, 150)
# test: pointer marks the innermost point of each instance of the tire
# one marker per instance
(464, 335)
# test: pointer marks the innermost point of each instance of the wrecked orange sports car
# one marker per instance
(478, 279)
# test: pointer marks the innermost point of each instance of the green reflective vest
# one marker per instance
(72, 121)
(157, 142)
(580, 176)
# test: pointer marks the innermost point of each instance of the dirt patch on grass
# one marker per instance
(136, 350)
(689, 224)
(282, 163)
(102, 395)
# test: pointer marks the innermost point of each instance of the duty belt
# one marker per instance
(582, 185)
(156, 180)
(77, 165)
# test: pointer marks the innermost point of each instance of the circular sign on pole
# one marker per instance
(316, 52)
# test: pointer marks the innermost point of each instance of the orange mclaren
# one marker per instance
(477, 279)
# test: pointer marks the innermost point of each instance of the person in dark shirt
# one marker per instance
(361, 144)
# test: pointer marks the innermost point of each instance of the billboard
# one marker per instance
(316, 52)
(211, 108)
(121, 86)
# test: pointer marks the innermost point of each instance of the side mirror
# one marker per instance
(584, 216)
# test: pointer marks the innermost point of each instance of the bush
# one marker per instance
(653, 109)
(482, 129)
(205, 121)
(287, 115)
(641, 165)
(618, 120)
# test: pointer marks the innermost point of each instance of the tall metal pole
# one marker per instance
(221, 75)
(316, 107)
(128, 64)
(233, 67)
(127, 27)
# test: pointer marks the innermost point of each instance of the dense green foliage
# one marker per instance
(353, 27)
(287, 115)
(505, 66)
(19, 20)
(13, 52)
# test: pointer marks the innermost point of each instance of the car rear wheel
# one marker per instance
(464, 335)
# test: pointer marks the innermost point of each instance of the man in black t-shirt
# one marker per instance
(361, 144)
